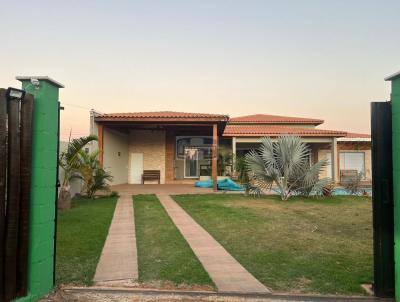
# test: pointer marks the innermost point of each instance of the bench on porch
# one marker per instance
(151, 175)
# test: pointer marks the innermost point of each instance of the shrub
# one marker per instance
(286, 164)
(353, 185)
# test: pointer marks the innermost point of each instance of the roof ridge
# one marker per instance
(270, 119)
(162, 111)
(276, 130)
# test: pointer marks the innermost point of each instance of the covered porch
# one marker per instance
(175, 145)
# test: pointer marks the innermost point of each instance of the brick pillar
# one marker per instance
(169, 156)
(234, 154)
(334, 160)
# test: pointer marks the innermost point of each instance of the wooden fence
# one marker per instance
(15, 186)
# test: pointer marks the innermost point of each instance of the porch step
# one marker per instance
(181, 182)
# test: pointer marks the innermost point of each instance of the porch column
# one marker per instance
(233, 154)
(215, 157)
(100, 141)
(334, 160)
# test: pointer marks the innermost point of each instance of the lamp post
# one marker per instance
(14, 94)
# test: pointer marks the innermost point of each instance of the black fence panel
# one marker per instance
(3, 183)
(15, 187)
(382, 198)
(25, 195)
(12, 205)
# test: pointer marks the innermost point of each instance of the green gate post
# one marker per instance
(395, 98)
(43, 187)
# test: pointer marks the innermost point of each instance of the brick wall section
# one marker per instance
(169, 156)
(152, 144)
(354, 146)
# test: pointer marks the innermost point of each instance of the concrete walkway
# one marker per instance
(118, 260)
(227, 274)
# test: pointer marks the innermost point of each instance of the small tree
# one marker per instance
(93, 175)
(286, 164)
(241, 170)
(69, 159)
(353, 186)
(99, 182)
(224, 161)
(69, 162)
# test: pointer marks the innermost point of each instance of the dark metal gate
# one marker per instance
(15, 186)
(382, 198)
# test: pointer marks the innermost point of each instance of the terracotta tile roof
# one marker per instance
(357, 135)
(265, 130)
(273, 119)
(161, 116)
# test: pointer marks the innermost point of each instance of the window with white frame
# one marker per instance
(352, 161)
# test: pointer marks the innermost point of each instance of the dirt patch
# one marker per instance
(154, 285)
(89, 295)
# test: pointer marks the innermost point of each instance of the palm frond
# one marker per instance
(76, 145)
(286, 164)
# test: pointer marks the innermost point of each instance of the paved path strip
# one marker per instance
(118, 260)
(227, 274)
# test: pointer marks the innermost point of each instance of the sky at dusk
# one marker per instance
(320, 59)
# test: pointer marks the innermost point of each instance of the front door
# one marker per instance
(136, 168)
(191, 163)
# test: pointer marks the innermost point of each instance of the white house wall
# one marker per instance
(152, 144)
(116, 155)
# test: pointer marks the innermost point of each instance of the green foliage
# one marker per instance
(286, 164)
(242, 174)
(100, 181)
(69, 159)
(93, 175)
(353, 185)
(114, 194)
(224, 161)
(241, 170)
(77, 163)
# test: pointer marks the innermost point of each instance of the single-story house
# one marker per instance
(184, 147)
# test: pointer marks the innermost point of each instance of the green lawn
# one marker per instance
(164, 256)
(300, 246)
(81, 232)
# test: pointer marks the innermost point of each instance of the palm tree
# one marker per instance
(100, 178)
(69, 162)
(94, 177)
(286, 164)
